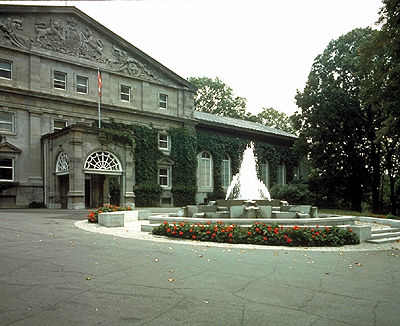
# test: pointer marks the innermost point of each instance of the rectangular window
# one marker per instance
(60, 80)
(7, 121)
(265, 173)
(6, 169)
(163, 177)
(81, 85)
(125, 93)
(5, 69)
(59, 124)
(163, 142)
(163, 101)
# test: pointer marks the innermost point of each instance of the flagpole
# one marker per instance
(99, 94)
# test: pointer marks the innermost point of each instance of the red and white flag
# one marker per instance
(99, 81)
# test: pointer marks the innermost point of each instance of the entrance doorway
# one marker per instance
(63, 181)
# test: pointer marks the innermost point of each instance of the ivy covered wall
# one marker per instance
(185, 145)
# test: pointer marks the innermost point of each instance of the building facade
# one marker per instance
(52, 151)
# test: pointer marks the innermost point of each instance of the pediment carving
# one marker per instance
(70, 37)
(9, 148)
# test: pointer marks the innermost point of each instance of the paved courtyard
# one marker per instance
(54, 273)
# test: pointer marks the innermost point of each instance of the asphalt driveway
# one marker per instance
(52, 273)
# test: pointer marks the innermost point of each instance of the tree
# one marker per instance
(276, 119)
(332, 119)
(214, 96)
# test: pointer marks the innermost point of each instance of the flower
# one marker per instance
(194, 237)
(165, 223)
(173, 232)
(265, 238)
(288, 240)
(230, 235)
(168, 230)
(191, 230)
(180, 233)
(249, 233)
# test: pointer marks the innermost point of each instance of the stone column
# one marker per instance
(128, 179)
(76, 193)
(106, 190)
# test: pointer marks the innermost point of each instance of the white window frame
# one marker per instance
(12, 123)
(281, 174)
(6, 70)
(125, 94)
(167, 142)
(206, 168)
(163, 103)
(59, 120)
(8, 167)
(166, 176)
(62, 83)
(85, 85)
(264, 173)
(226, 171)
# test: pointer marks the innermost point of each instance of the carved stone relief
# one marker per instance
(67, 36)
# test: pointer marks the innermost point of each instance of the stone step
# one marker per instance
(384, 235)
(384, 240)
(277, 214)
(385, 230)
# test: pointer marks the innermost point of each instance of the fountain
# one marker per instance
(246, 185)
(248, 197)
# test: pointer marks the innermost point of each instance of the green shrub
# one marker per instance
(147, 194)
(259, 233)
(294, 193)
(184, 195)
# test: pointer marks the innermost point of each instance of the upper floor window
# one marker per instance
(281, 174)
(7, 121)
(82, 84)
(60, 80)
(125, 93)
(59, 124)
(6, 169)
(164, 177)
(163, 142)
(205, 170)
(163, 101)
(226, 171)
(264, 173)
(5, 69)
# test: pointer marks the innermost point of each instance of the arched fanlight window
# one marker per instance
(264, 172)
(205, 170)
(62, 165)
(103, 162)
(226, 171)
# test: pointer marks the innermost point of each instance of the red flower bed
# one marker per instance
(259, 233)
(93, 215)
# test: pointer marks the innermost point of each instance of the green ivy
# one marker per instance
(144, 142)
(184, 179)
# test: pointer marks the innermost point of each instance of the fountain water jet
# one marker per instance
(245, 185)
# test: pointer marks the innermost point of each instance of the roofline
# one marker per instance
(208, 124)
(23, 9)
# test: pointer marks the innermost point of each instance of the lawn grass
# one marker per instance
(352, 213)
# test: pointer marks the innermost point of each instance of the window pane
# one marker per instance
(5, 162)
(163, 141)
(225, 172)
(163, 100)
(163, 177)
(6, 174)
(6, 121)
(205, 170)
(59, 124)
(60, 80)
(125, 93)
(5, 69)
(81, 84)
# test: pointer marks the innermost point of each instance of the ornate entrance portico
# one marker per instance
(78, 168)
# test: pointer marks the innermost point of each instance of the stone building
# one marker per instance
(51, 149)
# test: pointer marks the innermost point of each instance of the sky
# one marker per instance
(262, 49)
